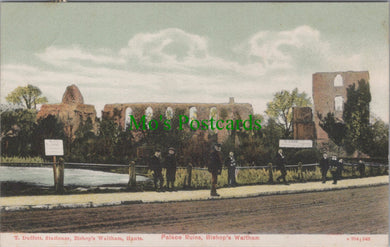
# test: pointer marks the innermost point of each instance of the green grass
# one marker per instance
(21, 159)
(201, 179)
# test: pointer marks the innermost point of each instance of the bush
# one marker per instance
(306, 156)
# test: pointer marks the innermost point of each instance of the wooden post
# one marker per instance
(58, 170)
(189, 174)
(300, 172)
(132, 175)
(61, 173)
(55, 173)
(270, 174)
(371, 170)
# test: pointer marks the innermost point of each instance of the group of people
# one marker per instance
(170, 164)
(336, 167)
(215, 168)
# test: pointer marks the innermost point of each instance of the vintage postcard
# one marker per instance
(194, 124)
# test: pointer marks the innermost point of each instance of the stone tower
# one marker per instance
(330, 94)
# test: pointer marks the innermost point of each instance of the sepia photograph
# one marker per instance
(194, 123)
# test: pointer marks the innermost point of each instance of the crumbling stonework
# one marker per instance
(330, 94)
(303, 124)
(71, 112)
(231, 110)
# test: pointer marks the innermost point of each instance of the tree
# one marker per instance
(334, 128)
(354, 132)
(379, 146)
(84, 145)
(47, 128)
(17, 131)
(280, 109)
(28, 96)
(356, 116)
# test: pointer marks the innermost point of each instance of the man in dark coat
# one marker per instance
(215, 167)
(231, 164)
(336, 169)
(170, 164)
(155, 166)
(281, 166)
(324, 167)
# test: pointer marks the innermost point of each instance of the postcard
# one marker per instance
(194, 123)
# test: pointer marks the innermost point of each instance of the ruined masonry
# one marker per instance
(71, 112)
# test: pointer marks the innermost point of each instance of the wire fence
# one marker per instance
(198, 177)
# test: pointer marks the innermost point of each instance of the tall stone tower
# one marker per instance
(330, 94)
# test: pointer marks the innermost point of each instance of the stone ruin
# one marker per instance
(71, 111)
(330, 94)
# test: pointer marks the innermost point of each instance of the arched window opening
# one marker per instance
(338, 103)
(338, 81)
(148, 115)
(193, 114)
(169, 113)
(214, 116)
(128, 112)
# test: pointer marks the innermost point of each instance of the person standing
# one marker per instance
(215, 167)
(171, 164)
(155, 166)
(231, 164)
(362, 168)
(324, 166)
(336, 168)
(281, 166)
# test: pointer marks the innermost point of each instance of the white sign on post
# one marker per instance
(295, 143)
(54, 147)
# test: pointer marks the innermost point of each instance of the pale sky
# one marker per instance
(191, 52)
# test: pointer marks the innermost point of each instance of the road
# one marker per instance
(350, 211)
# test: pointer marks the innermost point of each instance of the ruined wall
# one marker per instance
(329, 91)
(303, 124)
(231, 110)
(71, 111)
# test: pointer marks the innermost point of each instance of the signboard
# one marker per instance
(295, 143)
(54, 147)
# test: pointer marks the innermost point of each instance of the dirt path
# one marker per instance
(357, 211)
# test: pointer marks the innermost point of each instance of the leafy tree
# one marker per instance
(47, 128)
(108, 138)
(354, 132)
(379, 146)
(356, 116)
(333, 127)
(17, 131)
(28, 96)
(84, 145)
(280, 109)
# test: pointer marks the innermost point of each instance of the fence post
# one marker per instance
(300, 172)
(189, 175)
(353, 170)
(132, 175)
(371, 170)
(270, 174)
(59, 176)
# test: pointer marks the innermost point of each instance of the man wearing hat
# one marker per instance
(281, 166)
(324, 166)
(215, 167)
(155, 166)
(170, 164)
